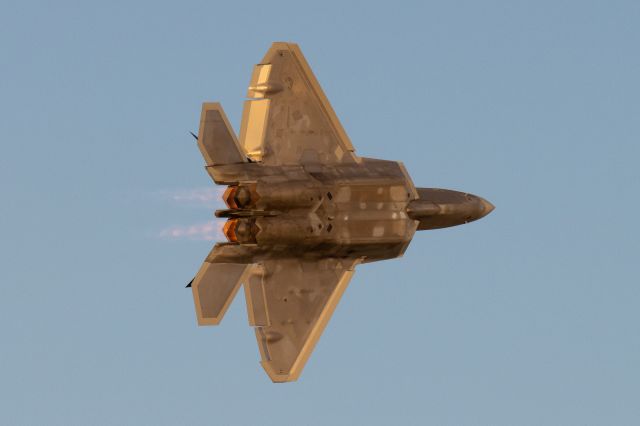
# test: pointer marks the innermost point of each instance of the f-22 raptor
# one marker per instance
(303, 211)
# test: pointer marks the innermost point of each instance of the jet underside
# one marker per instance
(302, 211)
(353, 210)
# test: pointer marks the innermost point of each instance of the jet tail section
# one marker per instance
(217, 140)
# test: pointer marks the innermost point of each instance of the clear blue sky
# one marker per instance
(530, 316)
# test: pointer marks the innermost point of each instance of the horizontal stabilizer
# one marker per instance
(216, 139)
(214, 287)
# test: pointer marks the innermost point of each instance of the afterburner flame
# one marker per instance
(230, 230)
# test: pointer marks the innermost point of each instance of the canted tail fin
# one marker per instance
(217, 140)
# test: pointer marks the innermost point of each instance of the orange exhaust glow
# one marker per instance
(229, 195)
(230, 230)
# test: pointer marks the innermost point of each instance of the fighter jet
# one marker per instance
(303, 211)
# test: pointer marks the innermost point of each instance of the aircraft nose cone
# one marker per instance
(487, 207)
(440, 208)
